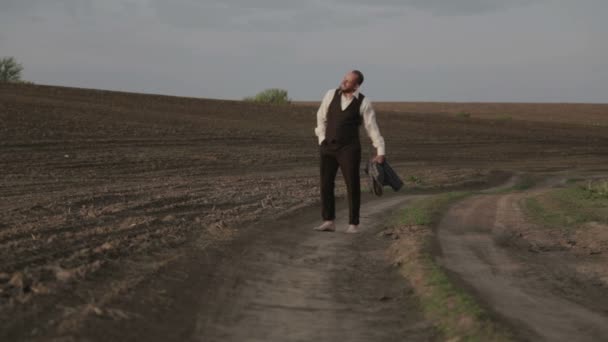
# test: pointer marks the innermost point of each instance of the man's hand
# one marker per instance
(379, 159)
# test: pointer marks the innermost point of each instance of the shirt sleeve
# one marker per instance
(371, 126)
(322, 116)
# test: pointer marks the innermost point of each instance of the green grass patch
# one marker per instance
(427, 211)
(417, 216)
(597, 190)
(455, 313)
(414, 180)
(569, 207)
(459, 314)
(524, 182)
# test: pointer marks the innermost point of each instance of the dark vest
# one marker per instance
(343, 125)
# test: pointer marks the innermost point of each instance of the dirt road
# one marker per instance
(300, 285)
(542, 293)
(281, 281)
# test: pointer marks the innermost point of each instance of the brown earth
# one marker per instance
(102, 192)
(574, 113)
(591, 114)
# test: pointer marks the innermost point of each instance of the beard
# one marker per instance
(347, 90)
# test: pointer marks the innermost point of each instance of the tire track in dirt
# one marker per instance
(299, 285)
(279, 281)
(473, 236)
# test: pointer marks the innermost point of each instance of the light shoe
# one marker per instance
(327, 226)
(352, 229)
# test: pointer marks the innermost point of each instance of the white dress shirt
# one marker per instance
(369, 118)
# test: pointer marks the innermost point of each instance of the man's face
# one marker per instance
(349, 83)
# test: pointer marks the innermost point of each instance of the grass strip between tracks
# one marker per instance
(451, 309)
(570, 207)
(523, 182)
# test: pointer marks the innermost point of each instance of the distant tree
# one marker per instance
(10, 70)
(272, 95)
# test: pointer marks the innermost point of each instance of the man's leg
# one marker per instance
(349, 159)
(329, 169)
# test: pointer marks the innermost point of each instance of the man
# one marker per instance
(338, 119)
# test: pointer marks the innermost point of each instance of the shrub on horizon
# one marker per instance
(10, 70)
(272, 96)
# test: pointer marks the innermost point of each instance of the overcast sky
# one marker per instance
(409, 50)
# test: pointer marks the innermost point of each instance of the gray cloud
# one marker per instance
(266, 16)
(532, 50)
(298, 16)
(256, 16)
(442, 7)
(230, 15)
(18, 6)
(466, 7)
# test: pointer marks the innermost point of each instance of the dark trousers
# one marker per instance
(348, 159)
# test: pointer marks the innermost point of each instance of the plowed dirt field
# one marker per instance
(103, 191)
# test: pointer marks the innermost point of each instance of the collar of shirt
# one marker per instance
(346, 101)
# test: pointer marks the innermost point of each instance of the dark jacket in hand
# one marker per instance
(381, 175)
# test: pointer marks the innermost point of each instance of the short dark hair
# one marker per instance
(359, 76)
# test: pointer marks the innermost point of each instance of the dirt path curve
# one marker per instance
(299, 285)
(473, 235)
